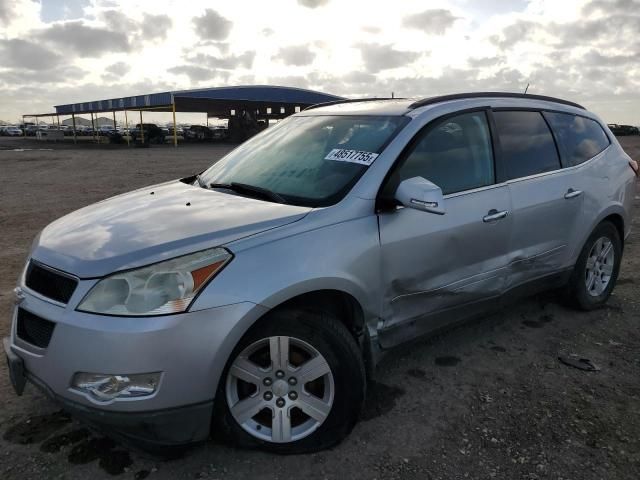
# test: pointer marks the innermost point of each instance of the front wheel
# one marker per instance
(596, 270)
(294, 384)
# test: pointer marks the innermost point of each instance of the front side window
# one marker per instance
(580, 138)
(456, 154)
(527, 145)
(312, 161)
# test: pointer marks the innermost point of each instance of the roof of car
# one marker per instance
(400, 106)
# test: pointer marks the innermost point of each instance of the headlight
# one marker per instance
(159, 289)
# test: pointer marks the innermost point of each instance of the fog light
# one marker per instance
(109, 387)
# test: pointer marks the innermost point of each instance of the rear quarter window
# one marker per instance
(527, 145)
(579, 138)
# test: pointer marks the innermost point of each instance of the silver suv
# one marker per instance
(253, 299)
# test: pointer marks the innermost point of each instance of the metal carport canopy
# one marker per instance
(213, 101)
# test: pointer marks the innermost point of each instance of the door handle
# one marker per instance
(571, 193)
(494, 215)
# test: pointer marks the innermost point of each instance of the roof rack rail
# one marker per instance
(348, 100)
(461, 96)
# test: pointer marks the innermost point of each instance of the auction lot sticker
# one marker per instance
(352, 156)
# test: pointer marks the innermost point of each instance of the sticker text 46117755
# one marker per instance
(353, 156)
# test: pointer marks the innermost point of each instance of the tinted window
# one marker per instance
(527, 144)
(456, 154)
(580, 138)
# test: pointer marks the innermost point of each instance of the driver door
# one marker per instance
(439, 268)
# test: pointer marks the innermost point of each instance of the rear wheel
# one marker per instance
(596, 270)
(294, 384)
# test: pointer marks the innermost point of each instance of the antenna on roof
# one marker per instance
(525, 90)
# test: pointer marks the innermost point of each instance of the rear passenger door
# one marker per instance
(546, 201)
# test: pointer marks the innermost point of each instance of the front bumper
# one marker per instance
(150, 430)
(190, 350)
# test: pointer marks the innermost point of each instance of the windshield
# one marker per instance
(311, 161)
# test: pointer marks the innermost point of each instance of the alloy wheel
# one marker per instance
(280, 389)
(599, 267)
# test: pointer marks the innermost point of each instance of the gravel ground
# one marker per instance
(486, 400)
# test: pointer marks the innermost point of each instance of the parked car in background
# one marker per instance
(623, 130)
(31, 130)
(251, 299)
(179, 130)
(12, 131)
(105, 129)
(149, 133)
(219, 133)
(198, 132)
(83, 130)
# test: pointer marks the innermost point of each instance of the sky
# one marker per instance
(65, 51)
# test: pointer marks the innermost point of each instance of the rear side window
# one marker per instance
(580, 138)
(528, 147)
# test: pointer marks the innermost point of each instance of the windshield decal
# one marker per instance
(353, 156)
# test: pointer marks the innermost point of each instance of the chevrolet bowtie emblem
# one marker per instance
(19, 295)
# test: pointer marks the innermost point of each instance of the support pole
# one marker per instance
(175, 129)
(207, 114)
(126, 127)
(73, 120)
(93, 128)
(58, 119)
(24, 127)
(114, 120)
(141, 128)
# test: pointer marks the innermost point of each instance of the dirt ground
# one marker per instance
(486, 400)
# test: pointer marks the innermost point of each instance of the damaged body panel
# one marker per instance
(432, 263)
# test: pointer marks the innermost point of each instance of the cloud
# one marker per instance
(6, 11)
(119, 21)
(591, 32)
(230, 62)
(371, 29)
(195, 73)
(482, 62)
(155, 27)
(85, 40)
(63, 74)
(434, 22)
(267, 32)
(199, 74)
(359, 78)
(118, 68)
(595, 58)
(378, 57)
(609, 6)
(212, 25)
(23, 54)
(313, 3)
(516, 32)
(298, 55)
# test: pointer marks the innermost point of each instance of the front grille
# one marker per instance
(34, 329)
(50, 283)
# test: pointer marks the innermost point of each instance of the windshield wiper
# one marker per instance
(252, 190)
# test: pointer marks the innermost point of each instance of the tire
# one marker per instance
(584, 293)
(340, 392)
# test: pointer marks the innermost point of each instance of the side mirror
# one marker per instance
(420, 194)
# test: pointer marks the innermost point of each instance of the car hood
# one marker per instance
(153, 224)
